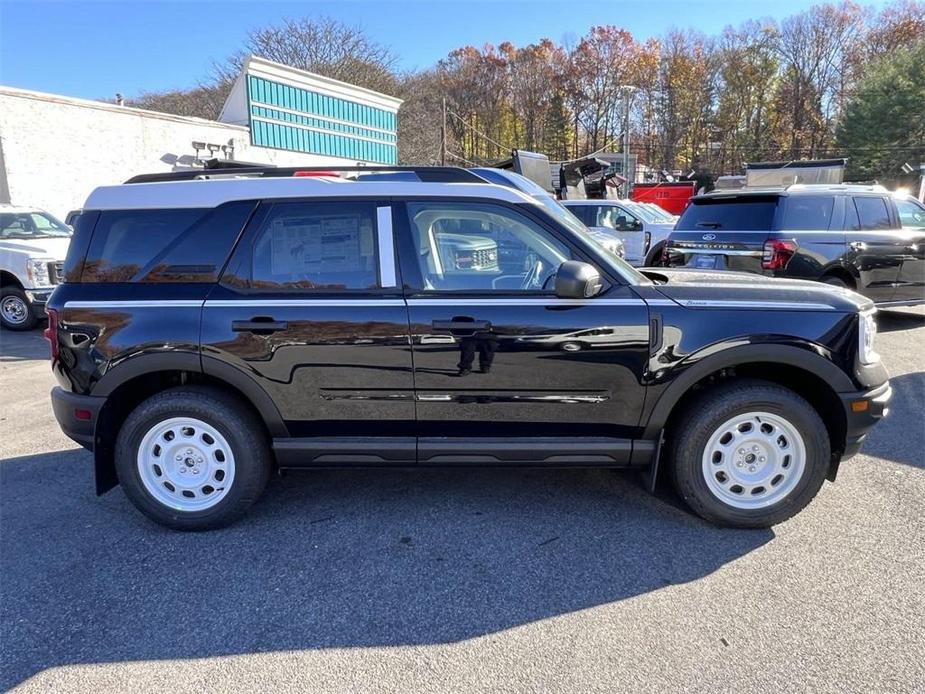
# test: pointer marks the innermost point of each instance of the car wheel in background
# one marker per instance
(749, 454)
(836, 281)
(192, 458)
(16, 310)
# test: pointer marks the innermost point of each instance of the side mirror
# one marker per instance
(577, 280)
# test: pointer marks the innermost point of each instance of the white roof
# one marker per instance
(211, 193)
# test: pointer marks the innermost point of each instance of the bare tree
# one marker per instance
(322, 45)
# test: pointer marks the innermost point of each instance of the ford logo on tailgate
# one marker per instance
(709, 237)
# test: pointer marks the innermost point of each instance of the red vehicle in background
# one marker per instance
(672, 197)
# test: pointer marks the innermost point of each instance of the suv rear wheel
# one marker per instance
(749, 454)
(192, 458)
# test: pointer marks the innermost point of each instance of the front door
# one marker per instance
(499, 361)
(310, 309)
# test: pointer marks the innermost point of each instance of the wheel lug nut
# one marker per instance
(751, 468)
(742, 451)
(754, 448)
(761, 459)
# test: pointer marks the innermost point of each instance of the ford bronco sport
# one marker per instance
(213, 328)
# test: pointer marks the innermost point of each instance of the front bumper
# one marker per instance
(76, 414)
(38, 298)
(862, 411)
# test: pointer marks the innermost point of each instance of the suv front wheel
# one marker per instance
(749, 454)
(192, 458)
(16, 311)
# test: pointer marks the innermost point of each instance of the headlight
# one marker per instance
(37, 271)
(867, 331)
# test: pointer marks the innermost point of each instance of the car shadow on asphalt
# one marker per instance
(893, 438)
(329, 559)
(888, 321)
(27, 345)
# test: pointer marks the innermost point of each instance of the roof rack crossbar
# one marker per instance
(427, 174)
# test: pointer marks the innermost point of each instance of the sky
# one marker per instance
(96, 49)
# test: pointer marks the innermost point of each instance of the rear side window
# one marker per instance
(176, 245)
(751, 213)
(808, 212)
(327, 246)
(873, 213)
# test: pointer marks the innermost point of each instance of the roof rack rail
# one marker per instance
(427, 174)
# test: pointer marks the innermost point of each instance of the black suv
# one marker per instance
(211, 331)
(847, 235)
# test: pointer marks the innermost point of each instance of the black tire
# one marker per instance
(707, 412)
(29, 319)
(836, 281)
(654, 257)
(246, 437)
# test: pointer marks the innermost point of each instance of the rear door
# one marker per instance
(310, 310)
(875, 246)
(499, 361)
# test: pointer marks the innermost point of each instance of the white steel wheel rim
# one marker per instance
(754, 460)
(14, 310)
(185, 464)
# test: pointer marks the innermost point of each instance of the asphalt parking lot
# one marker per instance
(458, 580)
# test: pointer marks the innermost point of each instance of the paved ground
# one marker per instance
(461, 580)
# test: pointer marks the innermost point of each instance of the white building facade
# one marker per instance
(54, 149)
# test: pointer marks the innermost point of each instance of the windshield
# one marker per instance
(661, 213)
(31, 225)
(558, 211)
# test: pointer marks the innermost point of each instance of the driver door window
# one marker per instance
(616, 218)
(482, 247)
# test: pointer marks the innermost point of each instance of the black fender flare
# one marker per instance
(152, 362)
(800, 355)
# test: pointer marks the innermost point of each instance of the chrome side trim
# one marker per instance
(154, 303)
(778, 305)
(514, 301)
(386, 247)
(308, 303)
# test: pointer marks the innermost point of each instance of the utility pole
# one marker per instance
(443, 136)
(627, 97)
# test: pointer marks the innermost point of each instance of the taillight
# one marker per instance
(51, 333)
(666, 256)
(777, 253)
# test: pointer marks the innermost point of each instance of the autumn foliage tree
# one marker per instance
(800, 88)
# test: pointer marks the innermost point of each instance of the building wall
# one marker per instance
(288, 117)
(58, 149)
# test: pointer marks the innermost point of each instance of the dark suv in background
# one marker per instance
(845, 235)
(212, 330)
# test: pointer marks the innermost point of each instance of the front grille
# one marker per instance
(56, 272)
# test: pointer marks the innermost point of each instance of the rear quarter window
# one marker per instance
(746, 213)
(163, 245)
(807, 212)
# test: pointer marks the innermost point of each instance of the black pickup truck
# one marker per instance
(847, 235)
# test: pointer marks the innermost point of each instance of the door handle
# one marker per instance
(461, 325)
(259, 325)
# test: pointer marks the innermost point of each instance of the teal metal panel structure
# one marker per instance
(295, 119)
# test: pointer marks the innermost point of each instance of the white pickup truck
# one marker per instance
(643, 233)
(33, 245)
